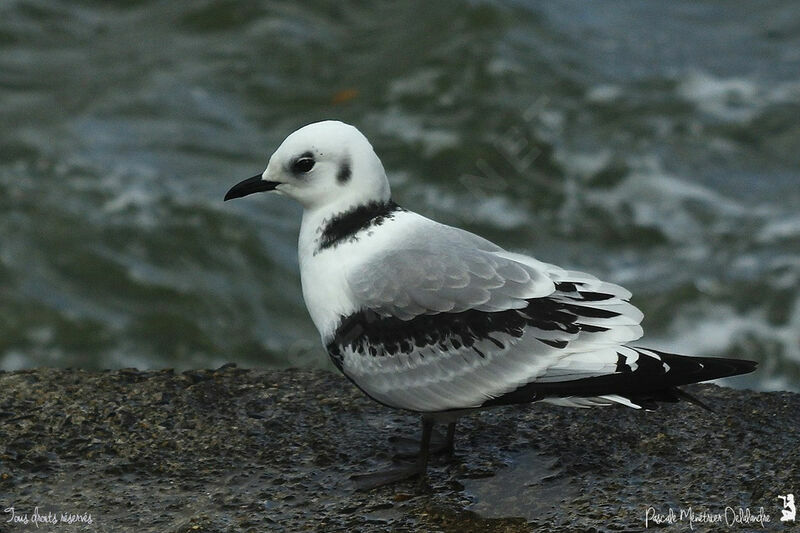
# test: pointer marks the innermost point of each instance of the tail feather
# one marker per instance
(643, 377)
(684, 370)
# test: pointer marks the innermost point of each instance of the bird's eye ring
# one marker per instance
(303, 165)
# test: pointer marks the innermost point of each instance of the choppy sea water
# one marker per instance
(654, 144)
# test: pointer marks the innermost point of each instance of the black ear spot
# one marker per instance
(303, 163)
(343, 176)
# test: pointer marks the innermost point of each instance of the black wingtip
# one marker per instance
(721, 367)
(655, 379)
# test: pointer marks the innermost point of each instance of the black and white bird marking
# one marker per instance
(436, 320)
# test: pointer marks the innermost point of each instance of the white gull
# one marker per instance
(436, 320)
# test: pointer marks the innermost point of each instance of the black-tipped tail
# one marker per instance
(684, 370)
(644, 377)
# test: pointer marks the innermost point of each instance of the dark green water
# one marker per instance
(655, 144)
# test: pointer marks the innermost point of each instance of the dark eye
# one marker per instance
(302, 165)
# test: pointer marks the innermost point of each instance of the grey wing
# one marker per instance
(452, 323)
(445, 271)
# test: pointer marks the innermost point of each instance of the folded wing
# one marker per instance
(455, 321)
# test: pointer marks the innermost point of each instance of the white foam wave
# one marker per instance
(604, 93)
(734, 99)
(411, 129)
(661, 200)
(498, 211)
(779, 230)
(721, 328)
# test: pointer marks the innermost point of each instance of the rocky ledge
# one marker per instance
(257, 450)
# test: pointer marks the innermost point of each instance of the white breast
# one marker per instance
(323, 273)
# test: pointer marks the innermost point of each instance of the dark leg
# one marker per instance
(451, 436)
(424, 452)
(408, 448)
(392, 475)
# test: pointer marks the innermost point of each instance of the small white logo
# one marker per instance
(789, 510)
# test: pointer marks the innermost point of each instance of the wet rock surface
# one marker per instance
(255, 450)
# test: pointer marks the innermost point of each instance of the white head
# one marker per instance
(327, 164)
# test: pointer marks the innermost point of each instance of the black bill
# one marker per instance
(249, 186)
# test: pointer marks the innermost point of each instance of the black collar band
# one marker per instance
(344, 226)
